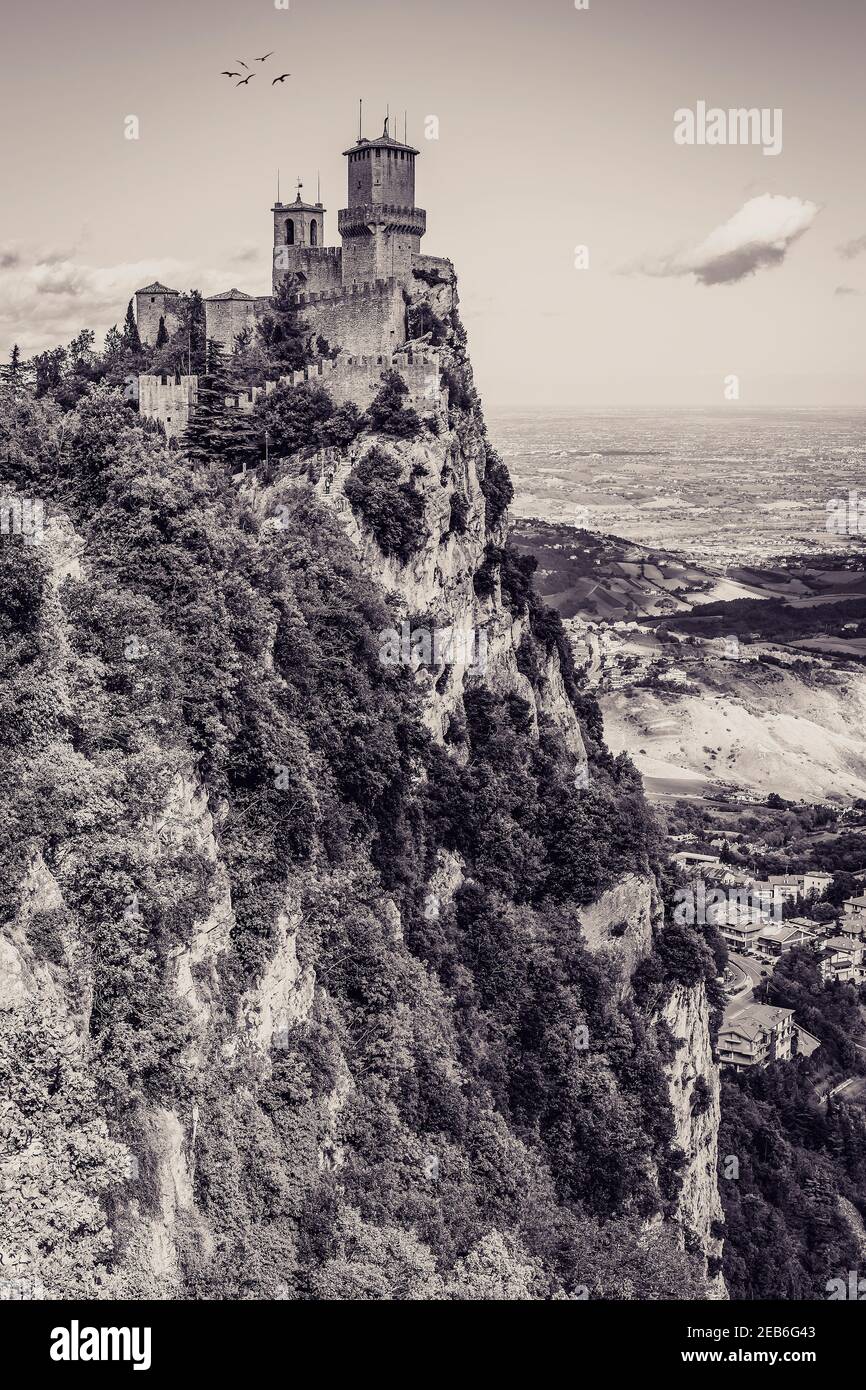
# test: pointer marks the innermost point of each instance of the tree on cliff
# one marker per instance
(12, 373)
(388, 412)
(304, 416)
(283, 333)
(131, 339)
(218, 433)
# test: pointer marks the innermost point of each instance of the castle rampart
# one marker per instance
(349, 378)
(364, 320)
(168, 399)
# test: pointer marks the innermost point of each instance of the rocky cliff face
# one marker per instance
(619, 928)
(162, 1189)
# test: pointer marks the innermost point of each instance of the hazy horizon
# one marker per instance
(556, 130)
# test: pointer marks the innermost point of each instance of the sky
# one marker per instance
(704, 263)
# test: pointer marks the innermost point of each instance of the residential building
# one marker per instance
(841, 959)
(688, 857)
(759, 1034)
(775, 940)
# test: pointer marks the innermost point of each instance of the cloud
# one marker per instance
(846, 289)
(247, 253)
(47, 297)
(757, 237)
(849, 249)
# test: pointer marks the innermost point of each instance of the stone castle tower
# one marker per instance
(153, 303)
(381, 229)
(352, 296)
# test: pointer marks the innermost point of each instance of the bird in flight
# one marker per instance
(229, 74)
(267, 55)
(242, 63)
(244, 80)
(281, 79)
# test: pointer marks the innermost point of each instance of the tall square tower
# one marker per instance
(381, 228)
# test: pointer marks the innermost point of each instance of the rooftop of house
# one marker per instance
(781, 933)
(856, 902)
(757, 1019)
(839, 943)
(156, 288)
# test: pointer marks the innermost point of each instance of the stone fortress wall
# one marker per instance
(349, 378)
(167, 399)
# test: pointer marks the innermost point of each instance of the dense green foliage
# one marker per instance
(497, 488)
(793, 1198)
(303, 417)
(200, 649)
(391, 508)
(388, 412)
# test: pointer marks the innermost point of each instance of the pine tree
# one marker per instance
(131, 339)
(12, 374)
(283, 332)
(162, 334)
(218, 433)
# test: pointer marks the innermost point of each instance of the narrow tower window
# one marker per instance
(314, 233)
(290, 232)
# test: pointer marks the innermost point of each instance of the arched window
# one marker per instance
(290, 232)
(314, 233)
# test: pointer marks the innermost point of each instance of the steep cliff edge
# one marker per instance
(335, 957)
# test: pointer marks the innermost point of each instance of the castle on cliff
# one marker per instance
(353, 295)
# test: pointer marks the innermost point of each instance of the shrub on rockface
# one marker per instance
(459, 514)
(393, 510)
(497, 488)
(388, 412)
(304, 417)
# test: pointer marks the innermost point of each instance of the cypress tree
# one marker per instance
(131, 339)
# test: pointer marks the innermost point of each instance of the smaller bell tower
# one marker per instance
(299, 228)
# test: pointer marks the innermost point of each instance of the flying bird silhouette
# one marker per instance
(244, 80)
(267, 55)
(281, 79)
(229, 74)
(242, 63)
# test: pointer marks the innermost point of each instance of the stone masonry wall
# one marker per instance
(168, 400)
(364, 320)
(356, 379)
(321, 266)
(149, 308)
(226, 318)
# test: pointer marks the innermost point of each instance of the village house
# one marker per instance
(841, 959)
(759, 1034)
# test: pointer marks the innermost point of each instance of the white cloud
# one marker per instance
(755, 238)
(47, 297)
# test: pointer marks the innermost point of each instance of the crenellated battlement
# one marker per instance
(359, 379)
(356, 378)
(367, 289)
